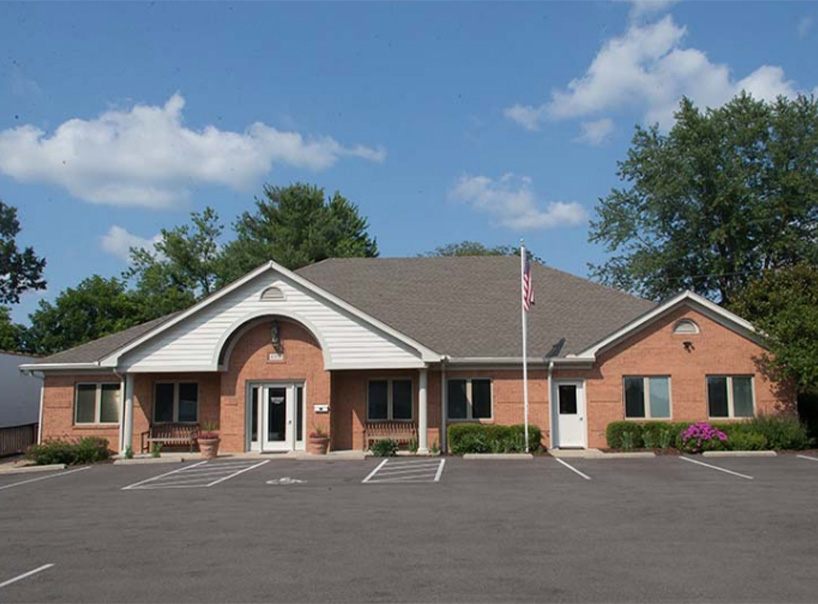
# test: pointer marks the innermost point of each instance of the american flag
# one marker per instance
(528, 288)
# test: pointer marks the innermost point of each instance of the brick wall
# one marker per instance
(656, 350)
(349, 397)
(58, 409)
(303, 361)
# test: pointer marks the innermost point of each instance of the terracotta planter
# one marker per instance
(209, 447)
(318, 445)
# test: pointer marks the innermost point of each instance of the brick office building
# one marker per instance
(345, 343)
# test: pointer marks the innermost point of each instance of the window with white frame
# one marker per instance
(647, 397)
(176, 402)
(730, 396)
(469, 399)
(389, 399)
(96, 403)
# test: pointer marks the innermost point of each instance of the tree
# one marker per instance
(185, 265)
(297, 225)
(94, 308)
(20, 271)
(727, 194)
(475, 248)
(783, 305)
(11, 334)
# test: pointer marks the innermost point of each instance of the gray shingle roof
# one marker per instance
(458, 306)
(96, 350)
(470, 306)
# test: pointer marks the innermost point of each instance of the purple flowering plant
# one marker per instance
(701, 436)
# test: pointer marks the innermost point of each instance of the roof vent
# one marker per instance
(685, 327)
(272, 294)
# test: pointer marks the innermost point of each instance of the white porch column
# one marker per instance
(423, 412)
(127, 413)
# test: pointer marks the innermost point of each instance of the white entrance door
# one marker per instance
(276, 417)
(569, 397)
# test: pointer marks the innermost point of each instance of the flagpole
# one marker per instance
(525, 347)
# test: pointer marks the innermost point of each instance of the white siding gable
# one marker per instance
(347, 341)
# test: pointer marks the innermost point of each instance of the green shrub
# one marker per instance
(627, 440)
(385, 447)
(745, 440)
(665, 438)
(89, 449)
(781, 431)
(615, 430)
(648, 439)
(492, 438)
(156, 450)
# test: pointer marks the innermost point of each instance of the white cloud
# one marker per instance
(646, 8)
(146, 156)
(649, 69)
(512, 204)
(804, 26)
(596, 132)
(118, 242)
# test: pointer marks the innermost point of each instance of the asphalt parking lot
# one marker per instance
(643, 530)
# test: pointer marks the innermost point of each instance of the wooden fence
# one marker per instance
(17, 439)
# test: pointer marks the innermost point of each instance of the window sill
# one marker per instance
(479, 420)
(648, 419)
(95, 426)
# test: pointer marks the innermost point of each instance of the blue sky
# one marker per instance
(443, 122)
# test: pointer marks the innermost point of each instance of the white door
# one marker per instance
(276, 417)
(570, 411)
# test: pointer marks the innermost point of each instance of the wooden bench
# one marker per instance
(170, 434)
(402, 433)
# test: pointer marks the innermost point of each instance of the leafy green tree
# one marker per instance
(297, 225)
(20, 270)
(11, 333)
(475, 248)
(783, 305)
(94, 308)
(185, 265)
(726, 194)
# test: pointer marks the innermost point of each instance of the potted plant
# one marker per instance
(319, 442)
(209, 440)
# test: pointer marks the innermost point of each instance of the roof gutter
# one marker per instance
(28, 367)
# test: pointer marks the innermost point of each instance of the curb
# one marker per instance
(148, 461)
(739, 454)
(27, 469)
(507, 456)
(597, 454)
(635, 455)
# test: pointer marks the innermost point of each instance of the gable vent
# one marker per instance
(272, 294)
(685, 326)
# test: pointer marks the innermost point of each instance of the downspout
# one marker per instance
(40, 418)
(444, 407)
(551, 421)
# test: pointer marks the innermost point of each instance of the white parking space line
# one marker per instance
(707, 465)
(238, 472)
(198, 475)
(375, 471)
(24, 575)
(17, 484)
(440, 470)
(807, 457)
(406, 471)
(573, 469)
(177, 470)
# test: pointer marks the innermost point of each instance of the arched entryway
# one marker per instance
(274, 386)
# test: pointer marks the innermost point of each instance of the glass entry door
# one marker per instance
(276, 417)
